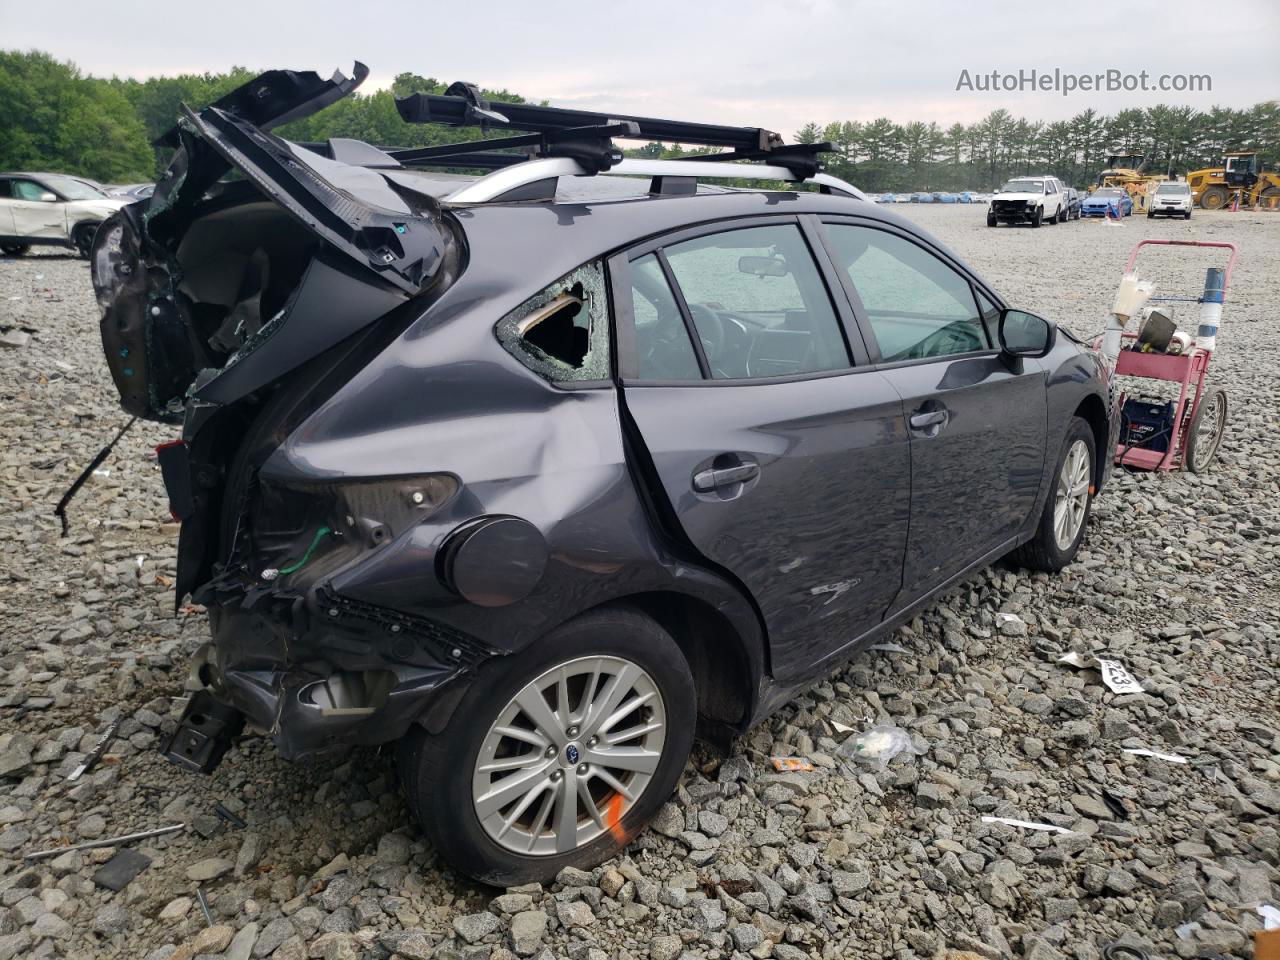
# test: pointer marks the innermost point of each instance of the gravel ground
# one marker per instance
(1178, 580)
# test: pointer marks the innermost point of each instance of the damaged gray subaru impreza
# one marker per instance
(538, 469)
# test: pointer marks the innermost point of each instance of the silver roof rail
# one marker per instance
(507, 182)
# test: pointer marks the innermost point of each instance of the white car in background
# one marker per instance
(1032, 200)
(1171, 199)
(50, 209)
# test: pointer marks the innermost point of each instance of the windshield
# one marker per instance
(1023, 186)
(1172, 188)
(1110, 192)
(72, 189)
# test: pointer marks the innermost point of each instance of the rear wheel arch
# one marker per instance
(726, 666)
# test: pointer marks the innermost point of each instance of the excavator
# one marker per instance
(1240, 176)
(1127, 171)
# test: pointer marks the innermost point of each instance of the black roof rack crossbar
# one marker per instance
(460, 105)
(541, 142)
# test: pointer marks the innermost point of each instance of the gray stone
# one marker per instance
(474, 927)
(110, 920)
(209, 869)
(527, 930)
(575, 914)
(242, 944)
(273, 935)
(15, 754)
(394, 849)
(665, 947)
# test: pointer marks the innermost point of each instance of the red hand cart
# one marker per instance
(1200, 418)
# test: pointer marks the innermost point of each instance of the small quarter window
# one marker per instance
(562, 332)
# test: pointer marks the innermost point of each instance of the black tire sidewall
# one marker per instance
(1045, 541)
(445, 803)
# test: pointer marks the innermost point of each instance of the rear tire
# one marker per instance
(1062, 214)
(452, 796)
(14, 249)
(1056, 542)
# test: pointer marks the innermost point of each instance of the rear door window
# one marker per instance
(663, 348)
(758, 303)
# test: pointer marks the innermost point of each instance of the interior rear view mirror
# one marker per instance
(763, 266)
(1024, 334)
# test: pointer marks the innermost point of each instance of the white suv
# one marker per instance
(1032, 200)
(50, 208)
(1172, 198)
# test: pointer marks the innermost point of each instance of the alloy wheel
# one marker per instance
(1072, 497)
(569, 755)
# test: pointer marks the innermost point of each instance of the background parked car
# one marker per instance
(887, 198)
(1172, 199)
(1034, 200)
(1074, 201)
(50, 209)
(131, 191)
(1113, 198)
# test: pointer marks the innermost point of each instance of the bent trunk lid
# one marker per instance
(357, 244)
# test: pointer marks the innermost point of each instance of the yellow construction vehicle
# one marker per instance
(1127, 171)
(1240, 177)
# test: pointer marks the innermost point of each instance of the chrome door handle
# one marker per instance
(933, 418)
(704, 481)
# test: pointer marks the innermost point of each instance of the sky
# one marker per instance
(774, 64)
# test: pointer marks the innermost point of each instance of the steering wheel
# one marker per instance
(710, 330)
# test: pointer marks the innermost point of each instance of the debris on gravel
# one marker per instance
(1178, 581)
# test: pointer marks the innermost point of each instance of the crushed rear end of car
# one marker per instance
(259, 278)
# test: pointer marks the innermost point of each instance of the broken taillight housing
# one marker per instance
(318, 527)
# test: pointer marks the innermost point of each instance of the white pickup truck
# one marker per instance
(1033, 200)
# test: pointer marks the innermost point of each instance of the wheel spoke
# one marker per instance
(508, 789)
(635, 759)
(540, 821)
(584, 794)
(614, 782)
(567, 814)
(525, 803)
(524, 736)
(563, 714)
(628, 708)
(631, 733)
(534, 705)
(618, 687)
(510, 763)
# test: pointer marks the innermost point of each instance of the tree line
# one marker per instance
(54, 117)
(882, 155)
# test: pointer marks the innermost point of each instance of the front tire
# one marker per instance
(542, 765)
(991, 220)
(1037, 217)
(1066, 511)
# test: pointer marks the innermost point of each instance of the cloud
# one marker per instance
(778, 64)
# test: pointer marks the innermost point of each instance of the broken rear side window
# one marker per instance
(562, 332)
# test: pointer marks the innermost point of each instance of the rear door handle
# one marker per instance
(932, 418)
(705, 481)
